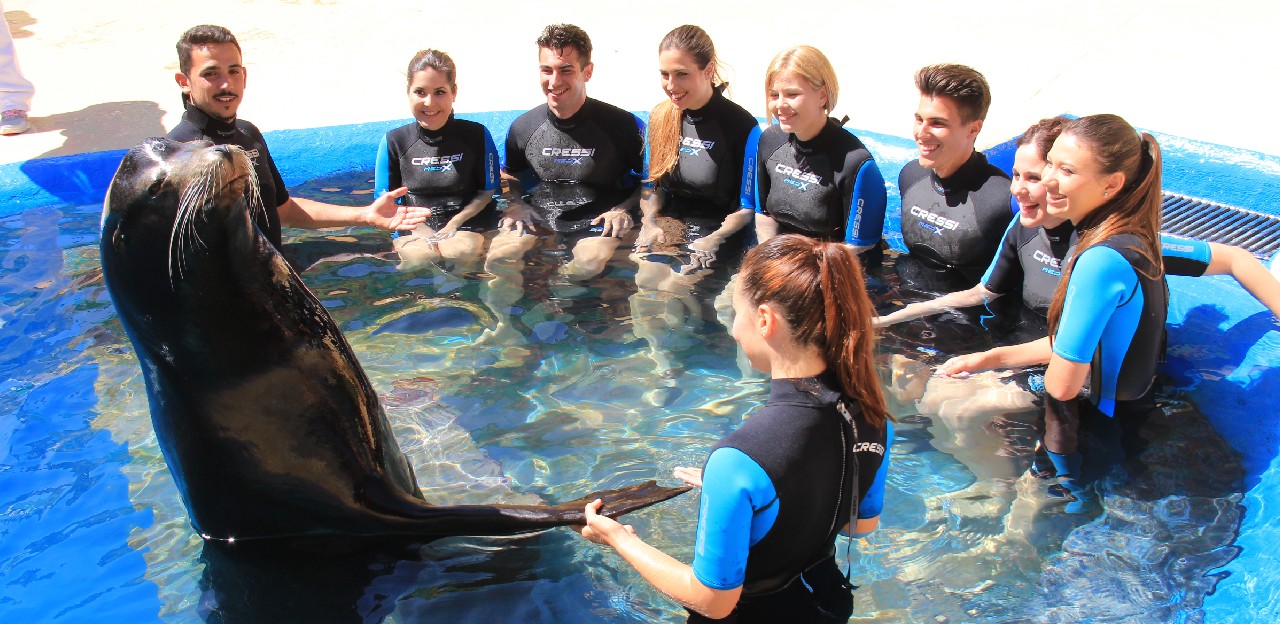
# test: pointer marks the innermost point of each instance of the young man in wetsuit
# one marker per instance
(212, 77)
(574, 163)
(955, 205)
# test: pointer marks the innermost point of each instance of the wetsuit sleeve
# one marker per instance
(385, 176)
(1100, 282)
(633, 147)
(750, 195)
(866, 209)
(1183, 256)
(872, 503)
(514, 161)
(649, 184)
(1005, 273)
(282, 191)
(734, 489)
(492, 178)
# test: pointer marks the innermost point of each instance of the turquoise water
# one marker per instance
(594, 386)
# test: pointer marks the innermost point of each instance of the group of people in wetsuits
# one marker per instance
(1084, 247)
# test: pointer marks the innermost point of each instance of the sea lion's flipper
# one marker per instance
(404, 515)
(625, 500)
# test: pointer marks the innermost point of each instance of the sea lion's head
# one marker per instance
(178, 200)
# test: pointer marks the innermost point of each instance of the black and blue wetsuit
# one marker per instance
(702, 189)
(955, 222)
(577, 168)
(1113, 318)
(827, 188)
(771, 490)
(1030, 261)
(196, 125)
(444, 169)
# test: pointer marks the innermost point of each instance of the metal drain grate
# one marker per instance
(1202, 220)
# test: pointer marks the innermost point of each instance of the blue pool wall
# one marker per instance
(1224, 346)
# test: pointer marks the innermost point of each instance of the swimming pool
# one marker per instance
(591, 395)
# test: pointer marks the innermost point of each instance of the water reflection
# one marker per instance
(554, 388)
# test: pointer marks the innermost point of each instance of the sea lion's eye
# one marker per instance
(156, 186)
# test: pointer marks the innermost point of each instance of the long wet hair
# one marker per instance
(433, 59)
(819, 288)
(665, 119)
(809, 63)
(1042, 134)
(1136, 208)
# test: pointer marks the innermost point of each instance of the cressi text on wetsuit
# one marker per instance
(575, 169)
(771, 488)
(954, 222)
(444, 169)
(828, 187)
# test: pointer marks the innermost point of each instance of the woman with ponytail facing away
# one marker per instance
(808, 464)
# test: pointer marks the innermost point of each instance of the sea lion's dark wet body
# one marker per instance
(265, 417)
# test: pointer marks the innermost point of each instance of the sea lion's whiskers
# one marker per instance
(197, 193)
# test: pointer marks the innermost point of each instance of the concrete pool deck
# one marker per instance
(104, 71)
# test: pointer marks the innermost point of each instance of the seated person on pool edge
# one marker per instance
(955, 205)
(449, 165)
(577, 159)
(694, 152)
(773, 495)
(1036, 244)
(212, 76)
(806, 174)
(1106, 320)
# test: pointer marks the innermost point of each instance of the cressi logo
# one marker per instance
(797, 178)
(568, 155)
(936, 219)
(1170, 246)
(869, 447)
(1044, 258)
(693, 147)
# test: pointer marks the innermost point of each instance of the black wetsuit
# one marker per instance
(1030, 260)
(196, 125)
(774, 489)
(703, 186)
(444, 169)
(828, 187)
(577, 168)
(955, 222)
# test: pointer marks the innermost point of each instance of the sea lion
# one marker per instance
(266, 419)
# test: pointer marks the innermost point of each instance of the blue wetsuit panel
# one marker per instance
(870, 199)
(750, 192)
(872, 503)
(1102, 310)
(737, 508)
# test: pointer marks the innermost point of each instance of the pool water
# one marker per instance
(590, 386)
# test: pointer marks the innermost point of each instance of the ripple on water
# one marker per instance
(551, 390)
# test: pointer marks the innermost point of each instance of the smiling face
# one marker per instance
(1028, 189)
(431, 98)
(564, 79)
(1075, 183)
(687, 86)
(799, 107)
(945, 140)
(217, 79)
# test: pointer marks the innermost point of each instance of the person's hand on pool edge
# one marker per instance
(692, 476)
(616, 222)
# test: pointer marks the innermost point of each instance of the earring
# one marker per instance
(1106, 194)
